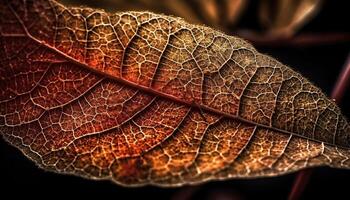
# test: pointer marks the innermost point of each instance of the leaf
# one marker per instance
(140, 98)
(222, 15)
(181, 8)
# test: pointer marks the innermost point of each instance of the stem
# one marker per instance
(342, 82)
(299, 40)
(338, 92)
(299, 184)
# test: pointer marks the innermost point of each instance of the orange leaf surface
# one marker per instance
(141, 98)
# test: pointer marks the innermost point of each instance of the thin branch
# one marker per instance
(299, 40)
(342, 82)
(299, 184)
(338, 92)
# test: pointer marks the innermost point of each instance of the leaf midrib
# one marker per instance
(153, 91)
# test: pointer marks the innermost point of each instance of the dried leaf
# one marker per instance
(284, 18)
(140, 98)
(180, 8)
(219, 14)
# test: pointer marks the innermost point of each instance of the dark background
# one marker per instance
(319, 63)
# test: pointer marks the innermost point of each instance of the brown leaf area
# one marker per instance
(140, 98)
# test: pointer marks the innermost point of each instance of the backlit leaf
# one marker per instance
(141, 98)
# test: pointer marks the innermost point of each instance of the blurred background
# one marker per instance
(311, 36)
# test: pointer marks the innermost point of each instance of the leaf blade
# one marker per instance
(213, 94)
